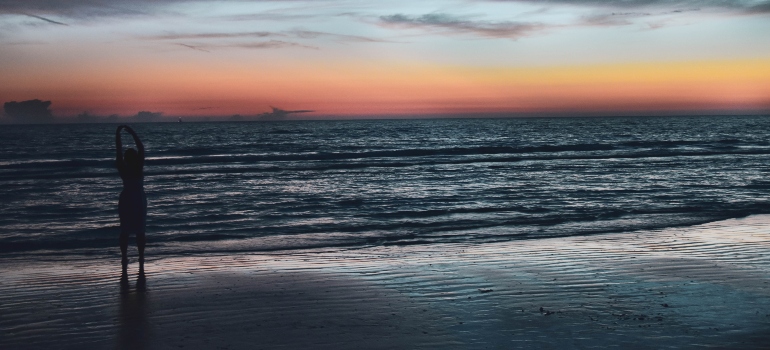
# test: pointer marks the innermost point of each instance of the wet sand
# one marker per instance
(700, 287)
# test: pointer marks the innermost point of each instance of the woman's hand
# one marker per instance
(130, 131)
(137, 141)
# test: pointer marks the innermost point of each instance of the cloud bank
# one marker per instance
(207, 42)
(32, 111)
(38, 112)
(457, 25)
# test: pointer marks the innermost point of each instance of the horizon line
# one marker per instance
(5, 120)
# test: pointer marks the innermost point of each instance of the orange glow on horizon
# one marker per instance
(390, 88)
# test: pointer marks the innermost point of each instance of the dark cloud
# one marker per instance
(272, 44)
(203, 36)
(614, 18)
(452, 24)
(211, 41)
(140, 117)
(107, 8)
(297, 33)
(194, 47)
(220, 40)
(746, 6)
(759, 8)
(32, 111)
(145, 116)
(621, 18)
(309, 34)
(81, 8)
(47, 20)
(86, 117)
(101, 8)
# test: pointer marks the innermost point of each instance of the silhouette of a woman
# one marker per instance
(132, 206)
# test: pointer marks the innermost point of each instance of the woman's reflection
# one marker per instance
(134, 327)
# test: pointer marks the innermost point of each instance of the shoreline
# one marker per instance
(688, 287)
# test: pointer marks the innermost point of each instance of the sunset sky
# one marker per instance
(379, 58)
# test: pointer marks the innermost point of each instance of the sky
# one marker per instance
(387, 58)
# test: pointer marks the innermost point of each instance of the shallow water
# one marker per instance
(259, 186)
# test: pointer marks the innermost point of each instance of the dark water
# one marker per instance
(285, 185)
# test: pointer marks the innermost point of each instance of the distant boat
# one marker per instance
(180, 119)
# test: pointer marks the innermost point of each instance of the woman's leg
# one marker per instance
(140, 243)
(124, 248)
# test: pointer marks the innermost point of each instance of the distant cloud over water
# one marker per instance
(145, 116)
(32, 111)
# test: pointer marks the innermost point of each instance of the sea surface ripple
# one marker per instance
(263, 186)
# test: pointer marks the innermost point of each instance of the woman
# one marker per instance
(132, 206)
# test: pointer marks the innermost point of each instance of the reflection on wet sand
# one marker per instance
(705, 286)
(133, 326)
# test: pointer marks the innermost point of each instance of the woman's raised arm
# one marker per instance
(119, 145)
(139, 145)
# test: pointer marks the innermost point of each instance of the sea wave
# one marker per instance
(291, 185)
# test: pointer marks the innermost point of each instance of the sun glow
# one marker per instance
(392, 58)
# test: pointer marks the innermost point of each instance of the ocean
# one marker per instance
(225, 187)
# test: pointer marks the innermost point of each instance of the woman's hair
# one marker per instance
(131, 157)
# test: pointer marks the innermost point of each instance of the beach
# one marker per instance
(704, 286)
(384, 174)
